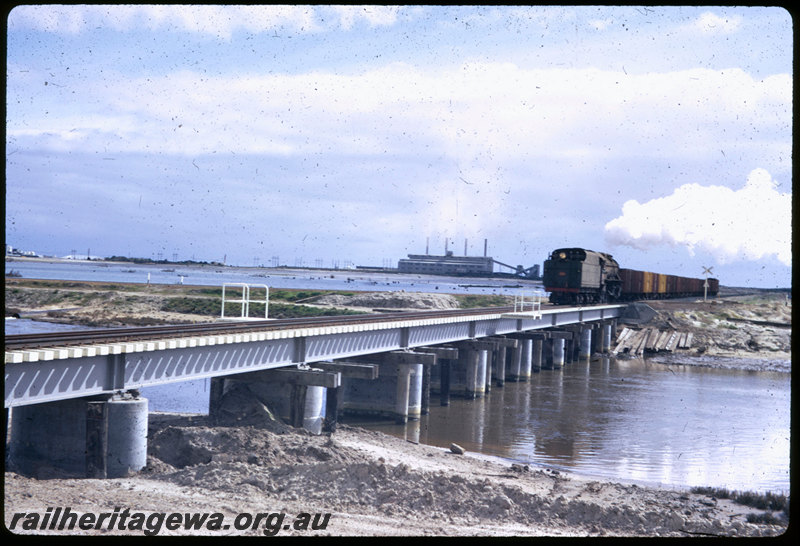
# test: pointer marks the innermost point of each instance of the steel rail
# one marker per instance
(78, 337)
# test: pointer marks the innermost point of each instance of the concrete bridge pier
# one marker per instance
(597, 338)
(536, 358)
(397, 392)
(547, 354)
(532, 354)
(499, 365)
(585, 350)
(296, 395)
(483, 376)
(408, 397)
(500, 358)
(468, 373)
(440, 371)
(559, 347)
(607, 327)
(333, 398)
(103, 436)
(558, 353)
(513, 370)
(476, 374)
(569, 349)
(526, 358)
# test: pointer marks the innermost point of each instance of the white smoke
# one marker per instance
(751, 223)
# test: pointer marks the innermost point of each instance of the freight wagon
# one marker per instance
(577, 276)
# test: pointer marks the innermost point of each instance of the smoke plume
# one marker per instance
(751, 223)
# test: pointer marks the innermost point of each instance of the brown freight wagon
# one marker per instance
(647, 285)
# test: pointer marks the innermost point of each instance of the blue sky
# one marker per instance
(322, 135)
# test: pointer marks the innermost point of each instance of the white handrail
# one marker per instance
(521, 303)
(245, 300)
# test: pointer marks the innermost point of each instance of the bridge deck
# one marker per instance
(55, 373)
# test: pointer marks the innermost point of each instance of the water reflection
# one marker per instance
(628, 419)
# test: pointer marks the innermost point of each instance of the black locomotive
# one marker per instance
(578, 276)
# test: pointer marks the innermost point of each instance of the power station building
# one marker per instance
(446, 265)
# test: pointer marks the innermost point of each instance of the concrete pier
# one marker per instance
(98, 437)
(397, 393)
(559, 339)
(606, 337)
(514, 363)
(333, 396)
(547, 354)
(440, 372)
(500, 358)
(525, 360)
(558, 353)
(297, 395)
(585, 350)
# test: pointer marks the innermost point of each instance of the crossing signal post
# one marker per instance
(706, 273)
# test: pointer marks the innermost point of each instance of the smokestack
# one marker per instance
(445, 246)
(485, 246)
(465, 247)
(427, 240)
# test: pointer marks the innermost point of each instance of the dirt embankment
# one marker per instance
(126, 304)
(752, 331)
(372, 484)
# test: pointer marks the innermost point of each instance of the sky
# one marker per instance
(338, 136)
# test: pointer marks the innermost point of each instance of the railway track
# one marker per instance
(119, 335)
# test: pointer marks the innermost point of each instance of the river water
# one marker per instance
(209, 275)
(632, 420)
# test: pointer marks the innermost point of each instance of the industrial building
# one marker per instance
(446, 265)
(480, 266)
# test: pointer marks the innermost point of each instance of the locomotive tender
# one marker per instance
(578, 276)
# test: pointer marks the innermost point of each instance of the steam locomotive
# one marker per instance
(578, 276)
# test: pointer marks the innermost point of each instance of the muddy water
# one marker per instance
(632, 420)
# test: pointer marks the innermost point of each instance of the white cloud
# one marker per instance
(751, 223)
(601, 24)
(212, 20)
(374, 15)
(495, 111)
(711, 23)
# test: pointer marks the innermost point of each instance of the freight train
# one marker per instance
(578, 276)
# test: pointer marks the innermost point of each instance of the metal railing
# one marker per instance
(528, 303)
(245, 300)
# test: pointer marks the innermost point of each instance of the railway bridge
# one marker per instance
(73, 402)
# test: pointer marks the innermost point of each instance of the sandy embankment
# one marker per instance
(372, 484)
(375, 484)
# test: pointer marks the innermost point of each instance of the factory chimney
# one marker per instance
(427, 241)
(485, 246)
(465, 247)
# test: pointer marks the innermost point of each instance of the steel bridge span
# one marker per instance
(84, 390)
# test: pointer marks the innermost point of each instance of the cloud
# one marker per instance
(751, 223)
(211, 20)
(710, 23)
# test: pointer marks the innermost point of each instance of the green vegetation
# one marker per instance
(159, 262)
(184, 299)
(281, 294)
(212, 307)
(762, 501)
(474, 301)
(764, 518)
